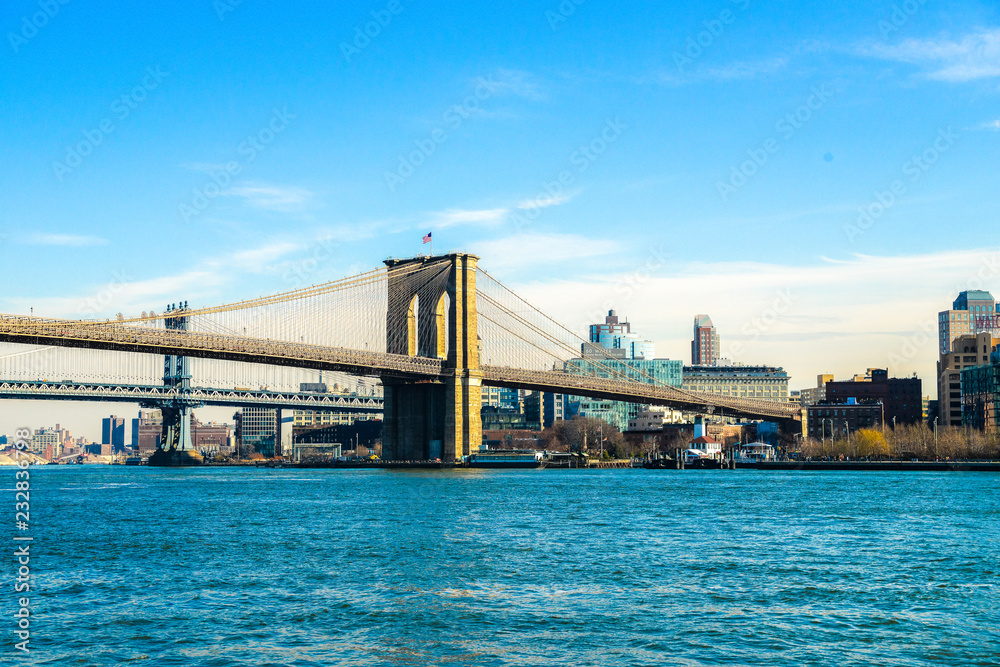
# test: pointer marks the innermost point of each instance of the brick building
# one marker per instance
(901, 397)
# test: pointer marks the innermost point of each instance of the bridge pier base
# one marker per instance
(174, 457)
(429, 420)
(413, 429)
(176, 448)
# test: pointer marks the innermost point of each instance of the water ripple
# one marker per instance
(279, 567)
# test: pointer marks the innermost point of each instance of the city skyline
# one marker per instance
(805, 214)
(82, 415)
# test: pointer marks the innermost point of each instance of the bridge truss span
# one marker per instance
(157, 394)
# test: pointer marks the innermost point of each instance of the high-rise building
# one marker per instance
(705, 346)
(966, 351)
(113, 433)
(974, 311)
(654, 371)
(616, 335)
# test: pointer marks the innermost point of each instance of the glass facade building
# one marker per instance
(615, 335)
(980, 395)
(653, 371)
(259, 429)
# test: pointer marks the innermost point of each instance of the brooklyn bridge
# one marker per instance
(432, 330)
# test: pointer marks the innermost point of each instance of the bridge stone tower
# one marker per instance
(432, 313)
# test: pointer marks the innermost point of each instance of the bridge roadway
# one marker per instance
(639, 392)
(113, 336)
(124, 393)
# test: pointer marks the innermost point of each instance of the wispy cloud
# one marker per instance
(527, 250)
(205, 167)
(486, 217)
(259, 260)
(993, 125)
(745, 70)
(122, 294)
(72, 240)
(974, 56)
(454, 217)
(739, 70)
(271, 197)
(201, 283)
(545, 201)
(514, 82)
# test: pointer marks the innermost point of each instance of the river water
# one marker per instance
(228, 566)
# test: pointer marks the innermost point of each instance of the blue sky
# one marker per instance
(713, 156)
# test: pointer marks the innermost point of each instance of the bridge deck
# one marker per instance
(131, 338)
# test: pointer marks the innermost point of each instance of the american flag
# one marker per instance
(427, 239)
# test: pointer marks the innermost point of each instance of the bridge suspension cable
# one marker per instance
(389, 322)
(535, 341)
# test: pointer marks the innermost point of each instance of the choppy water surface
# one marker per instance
(289, 567)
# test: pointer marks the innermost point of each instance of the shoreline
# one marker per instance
(765, 466)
